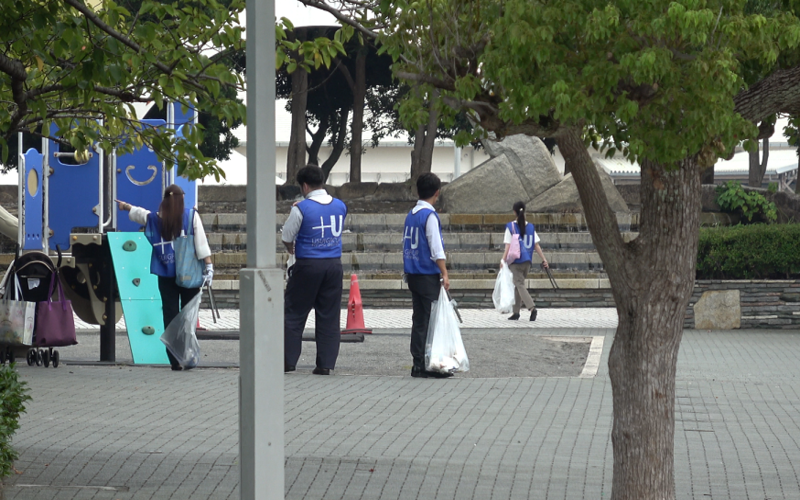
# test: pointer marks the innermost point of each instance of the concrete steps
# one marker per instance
(372, 246)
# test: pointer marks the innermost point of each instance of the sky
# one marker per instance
(300, 15)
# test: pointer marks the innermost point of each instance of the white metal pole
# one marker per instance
(46, 195)
(456, 162)
(261, 440)
(113, 159)
(20, 192)
(168, 175)
(100, 193)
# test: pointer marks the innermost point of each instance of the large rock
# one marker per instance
(718, 310)
(520, 169)
(563, 197)
(531, 160)
(491, 188)
(353, 190)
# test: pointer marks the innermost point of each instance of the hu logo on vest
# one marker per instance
(336, 232)
(528, 241)
(412, 234)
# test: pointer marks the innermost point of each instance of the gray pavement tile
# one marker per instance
(153, 433)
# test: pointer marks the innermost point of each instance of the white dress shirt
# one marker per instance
(432, 232)
(295, 219)
(201, 248)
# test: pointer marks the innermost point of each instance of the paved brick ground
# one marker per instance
(125, 433)
(604, 317)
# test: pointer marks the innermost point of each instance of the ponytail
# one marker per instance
(171, 211)
(519, 209)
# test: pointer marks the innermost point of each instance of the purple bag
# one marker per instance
(55, 325)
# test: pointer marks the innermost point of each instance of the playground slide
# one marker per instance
(139, 296)
(9, 225)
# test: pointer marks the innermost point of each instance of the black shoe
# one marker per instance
(534, 313)
(514, 317)
(418, 372)
(288, 368)
(321, 371)
(177, 368)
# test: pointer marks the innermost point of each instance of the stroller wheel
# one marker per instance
(56, 359)
(46, 358)
(31, 357)
(39, 357)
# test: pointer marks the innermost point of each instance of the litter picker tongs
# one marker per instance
(550, 275)
(214, 309)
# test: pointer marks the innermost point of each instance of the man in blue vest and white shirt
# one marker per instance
(313, 234)
(424, 267)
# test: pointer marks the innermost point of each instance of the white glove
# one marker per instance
(208, 274)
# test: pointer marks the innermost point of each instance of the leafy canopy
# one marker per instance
(80, 66)
(655, 80)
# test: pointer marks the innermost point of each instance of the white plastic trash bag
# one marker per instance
(444, 349)
(503, 295)
(180, 337)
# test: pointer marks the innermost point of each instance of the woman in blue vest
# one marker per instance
(528, 242)
(161, 229)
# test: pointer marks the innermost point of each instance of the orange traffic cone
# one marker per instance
(355, 311)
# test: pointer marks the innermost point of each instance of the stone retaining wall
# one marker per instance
(764, 304)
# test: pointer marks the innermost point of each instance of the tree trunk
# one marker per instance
(424, 141)
(338, 144)
(758, 168)
(316, 140)
(359, 94)
(707, 175)
(296, 156)
(652, 279)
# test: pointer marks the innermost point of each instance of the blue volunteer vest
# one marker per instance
(320, 235)
(162, 260)
(416, 251)
(525, 243)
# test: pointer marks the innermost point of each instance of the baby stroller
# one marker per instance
(35, 270)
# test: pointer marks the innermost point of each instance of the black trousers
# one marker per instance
(424, 290)
(171, 294)
(314, 283)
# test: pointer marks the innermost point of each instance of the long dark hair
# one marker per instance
(519, 209)
(171, 211)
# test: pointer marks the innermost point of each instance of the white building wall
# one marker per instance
(391, 163)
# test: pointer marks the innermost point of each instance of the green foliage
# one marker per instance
(307, 54)
(82, 68)
(772, 187)
(13, 395)
(756, 251)
(654, 80)
(792, 132)
(731, 197)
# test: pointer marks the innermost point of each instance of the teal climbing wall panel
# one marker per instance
(139, 296)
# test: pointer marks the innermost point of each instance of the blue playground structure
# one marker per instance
(67, 206)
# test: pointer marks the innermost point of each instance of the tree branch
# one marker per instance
(777, 93)
(321, 5)
(95, 19)
(418, 77)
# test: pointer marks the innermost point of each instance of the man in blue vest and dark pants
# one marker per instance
(313, 233)
(424, 267)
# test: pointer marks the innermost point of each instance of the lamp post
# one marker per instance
(261, 440)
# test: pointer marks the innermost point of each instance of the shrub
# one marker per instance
(758, 251)
(731, 197)
(13, 395)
